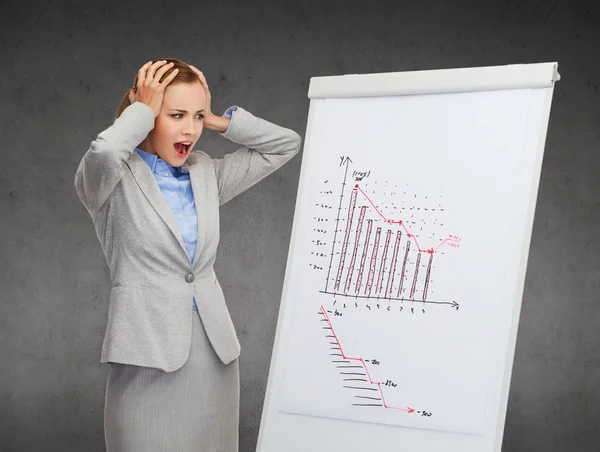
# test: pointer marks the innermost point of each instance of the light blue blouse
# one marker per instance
(176, 187)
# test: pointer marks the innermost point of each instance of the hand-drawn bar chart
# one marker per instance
(376, 256)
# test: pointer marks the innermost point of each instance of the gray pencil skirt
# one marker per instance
(195, 408)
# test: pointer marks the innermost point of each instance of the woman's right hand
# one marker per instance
(149, 90)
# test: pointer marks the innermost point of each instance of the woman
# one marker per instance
(173, 383)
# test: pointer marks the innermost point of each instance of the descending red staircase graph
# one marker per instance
(370, 382)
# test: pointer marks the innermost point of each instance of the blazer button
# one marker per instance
(189, 277)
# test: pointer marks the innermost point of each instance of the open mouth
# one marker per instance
(182, 149)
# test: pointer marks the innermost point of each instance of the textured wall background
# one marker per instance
(65, 66)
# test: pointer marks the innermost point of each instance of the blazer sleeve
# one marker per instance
(266, 147)
(103, 164)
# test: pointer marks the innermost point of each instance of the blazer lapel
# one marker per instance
(145, 179)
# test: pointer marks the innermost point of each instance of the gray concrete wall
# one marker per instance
(64, 68)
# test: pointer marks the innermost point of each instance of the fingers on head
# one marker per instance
(198, 72)
(166, 80)
(201, 78)
(164, 68)
(173, 73)
(142, 72)
(151, 73)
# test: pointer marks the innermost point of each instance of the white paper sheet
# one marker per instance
(405, 336)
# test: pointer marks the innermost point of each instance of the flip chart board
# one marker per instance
(407, 260)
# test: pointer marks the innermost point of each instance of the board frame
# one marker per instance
(293, 432)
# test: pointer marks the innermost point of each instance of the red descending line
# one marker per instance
(361, 360)
(401, 223)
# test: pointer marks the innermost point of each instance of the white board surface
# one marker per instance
(407, 260)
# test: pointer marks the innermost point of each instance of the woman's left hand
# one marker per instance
(211, 121)
(206, 90)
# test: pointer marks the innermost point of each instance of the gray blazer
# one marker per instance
(153, 281)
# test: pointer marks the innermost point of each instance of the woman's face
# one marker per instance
(180, 120)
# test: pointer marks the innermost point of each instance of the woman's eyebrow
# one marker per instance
(184, 111)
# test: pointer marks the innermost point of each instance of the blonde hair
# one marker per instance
(185, 75)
